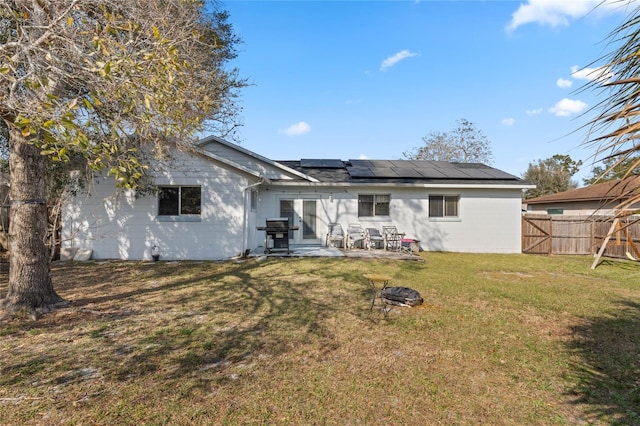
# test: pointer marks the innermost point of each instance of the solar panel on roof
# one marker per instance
(468, 165)
(360, 163)
(482, 171)
(498, 174)
(414, 169)
(382, 164)
(421, 163)
(360, 172)
(384, 172)
(431, 173)
(404, 172)
(444, 165)
(455, 174)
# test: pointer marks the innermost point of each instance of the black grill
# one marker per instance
(277, 234)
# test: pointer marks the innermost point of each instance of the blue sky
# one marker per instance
(369, 79)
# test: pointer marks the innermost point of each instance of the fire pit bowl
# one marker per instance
(401, 296)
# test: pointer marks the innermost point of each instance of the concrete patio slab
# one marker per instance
(322, 251)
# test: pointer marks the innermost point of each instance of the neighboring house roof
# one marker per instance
(617, 190)
(353, 172)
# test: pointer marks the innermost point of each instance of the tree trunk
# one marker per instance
(30, 286)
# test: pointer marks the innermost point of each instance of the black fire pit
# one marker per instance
(277, 234)
(402, 296)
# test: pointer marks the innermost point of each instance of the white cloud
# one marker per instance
(567, 107)
(392, 60)
(602, 74)
(508, 121)
(297, 129)
(363, 157)
(536, 111)
(564, 84)
(556, 13)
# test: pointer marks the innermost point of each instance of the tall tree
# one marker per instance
(463, 144)
(616, 128)
(107, 81)
(4, 147)
(613, 169)
(551, 176)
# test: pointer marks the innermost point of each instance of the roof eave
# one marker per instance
(407, 185)
(577, 200)
(228, 162)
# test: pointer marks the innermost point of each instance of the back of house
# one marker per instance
(208, 204)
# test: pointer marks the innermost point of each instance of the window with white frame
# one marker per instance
(254, 200)
(179, 200)
(443, 205)
(371, 205)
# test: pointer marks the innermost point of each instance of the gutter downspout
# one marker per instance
(245, 219)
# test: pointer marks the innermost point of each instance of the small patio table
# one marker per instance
(377, 283)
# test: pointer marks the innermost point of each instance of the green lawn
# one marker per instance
(500, 339)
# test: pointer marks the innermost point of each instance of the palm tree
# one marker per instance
(616, 128)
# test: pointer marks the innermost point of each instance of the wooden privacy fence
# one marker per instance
(559, 234)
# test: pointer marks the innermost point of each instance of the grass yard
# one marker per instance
(500, 339)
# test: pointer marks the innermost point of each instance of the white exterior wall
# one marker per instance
(489, 219)
(123, 227)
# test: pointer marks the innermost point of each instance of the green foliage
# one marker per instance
(551, 175)
(613, 168)
(114, 82)
(108, 85)
(464, 144)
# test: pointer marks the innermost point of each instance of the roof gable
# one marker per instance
(245, 160)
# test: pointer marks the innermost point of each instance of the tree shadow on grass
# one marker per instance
(608, 378)
(203, 324)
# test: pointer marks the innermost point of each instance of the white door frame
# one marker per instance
(304, 215)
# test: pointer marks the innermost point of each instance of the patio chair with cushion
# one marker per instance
(373, 238)
(335, 235)
(392, 238)
(355, 236)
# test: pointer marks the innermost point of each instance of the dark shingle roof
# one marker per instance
(612, 190)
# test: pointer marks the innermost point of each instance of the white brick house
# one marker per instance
(209, 205)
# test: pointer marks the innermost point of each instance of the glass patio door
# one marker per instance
(301, 213)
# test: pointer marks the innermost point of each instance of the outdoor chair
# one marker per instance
(335, 236)
(373, 238)
(392, 238)
(355, 236)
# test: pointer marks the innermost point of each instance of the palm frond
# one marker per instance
(615, 130)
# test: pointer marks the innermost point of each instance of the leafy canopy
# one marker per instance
(551, 175)
(464, 144)
(99, 78)
(612, 168)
